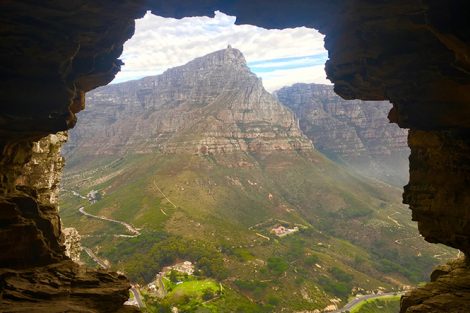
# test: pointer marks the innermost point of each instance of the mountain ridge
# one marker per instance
(353, 132)
(212, 104)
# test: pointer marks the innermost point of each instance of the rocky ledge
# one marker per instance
(63, 287)
(35, 273)
(448, 291)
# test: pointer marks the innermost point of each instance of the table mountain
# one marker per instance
(354, 132)
(202, 164)
(212, 104)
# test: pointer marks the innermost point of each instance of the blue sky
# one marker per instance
(279, 57)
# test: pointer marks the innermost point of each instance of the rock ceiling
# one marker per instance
(414, 53)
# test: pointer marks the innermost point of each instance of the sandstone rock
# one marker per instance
(448, 292)
(35, 272)
(72, 244)
(351, 131)
(41, 174)
(63, 287)
(414, 53)
(213, 104)
(439, 179)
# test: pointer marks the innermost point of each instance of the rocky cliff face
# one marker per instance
(213, 104)
(34, 264)
(72, 243)
(351, 131)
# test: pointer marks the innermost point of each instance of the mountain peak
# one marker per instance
(229, 56)
(212, 104)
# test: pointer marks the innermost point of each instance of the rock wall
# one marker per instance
(213, 104)
(34, 264)
(73, 247)
(30, 210)
(438, 189)
(355, 132)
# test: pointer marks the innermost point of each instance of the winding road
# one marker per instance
(99, 261)
(357, 300)
(129, 227)
(137, 297)
(95, 258)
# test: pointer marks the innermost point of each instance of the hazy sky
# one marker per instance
(280, 57)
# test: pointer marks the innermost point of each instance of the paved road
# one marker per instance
(129, 227)
(357, 300)
(95, 258)
(137, 297)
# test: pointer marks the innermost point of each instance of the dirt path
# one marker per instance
(394, 220)
(164, 196)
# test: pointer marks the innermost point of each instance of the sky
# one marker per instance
(279, 57)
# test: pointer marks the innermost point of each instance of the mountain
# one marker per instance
(354, 132)
(201, 164)
(212, 104)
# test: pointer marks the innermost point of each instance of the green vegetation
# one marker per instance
(218, 212)
(277, 265)
(188, 294)
(156, 250)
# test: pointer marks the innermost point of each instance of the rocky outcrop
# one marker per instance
(439, 179)
(63, 287)
(72, 243)
(36, 274)
(448, 291)
(30, 212)
(351, 131)
(213, 104)
(41, 175)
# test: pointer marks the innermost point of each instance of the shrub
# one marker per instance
(311, 260)
(277, 265)
(341, 275)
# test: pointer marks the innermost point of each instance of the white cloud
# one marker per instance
(276, 79)
(160, 43)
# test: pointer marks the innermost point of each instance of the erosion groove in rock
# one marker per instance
(413, 53)
(63, 287)
(354, 132)
(35, 273)
(213, 104)
(438, 187)
(72, 243)
(448, 291)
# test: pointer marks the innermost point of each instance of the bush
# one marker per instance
(277, 265)
(208, 294)
(341, 275)
(338, 289)
(311, 260)
(274, 301)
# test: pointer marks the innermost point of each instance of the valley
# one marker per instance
(202, 165)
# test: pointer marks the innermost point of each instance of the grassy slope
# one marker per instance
(216, 201)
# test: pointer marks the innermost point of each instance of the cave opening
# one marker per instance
(109, 196)
(54, 57)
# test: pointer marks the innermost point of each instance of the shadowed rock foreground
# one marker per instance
(413, 53)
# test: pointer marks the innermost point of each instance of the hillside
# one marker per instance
(354, 132)
(206, 166)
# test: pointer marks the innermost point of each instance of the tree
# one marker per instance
(277, 265)
(208, 294)
(173, 276)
